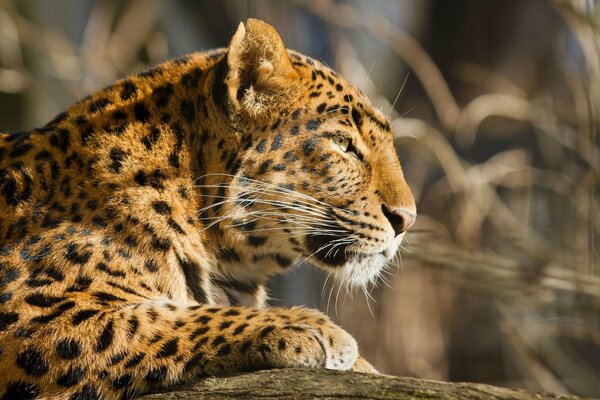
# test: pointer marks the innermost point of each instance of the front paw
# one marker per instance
(341, 346)
(305, 345)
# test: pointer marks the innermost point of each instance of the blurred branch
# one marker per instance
(10, 46)
(528, 362)
(13, 81)
(587, 95)
(511, 281)
(132, 30)
(534, 345)
(489, 80)
(406, 46)
(481, 199)
(13, 76)
(110, 47)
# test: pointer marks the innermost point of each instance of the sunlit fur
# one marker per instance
(140, 226)
(309, 187)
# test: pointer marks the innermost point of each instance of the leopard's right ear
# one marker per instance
(261, 78)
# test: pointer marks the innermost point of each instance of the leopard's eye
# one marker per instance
(343, 142)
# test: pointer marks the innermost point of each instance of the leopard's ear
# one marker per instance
(261, 78)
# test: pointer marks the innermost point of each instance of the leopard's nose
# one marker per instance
(400, 218)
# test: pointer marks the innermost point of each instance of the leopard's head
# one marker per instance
(319, 178)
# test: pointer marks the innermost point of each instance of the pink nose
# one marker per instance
(400, 218)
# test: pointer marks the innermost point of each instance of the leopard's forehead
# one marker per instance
(328, 92)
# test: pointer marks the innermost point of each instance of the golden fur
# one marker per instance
(140, 226)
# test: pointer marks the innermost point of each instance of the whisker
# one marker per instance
(316, 210)
(367, 298)
(319, 249)
(287, 190)
(337, 295)
(329, 297)
(325, 284)
(397, 96)
(279, 204)
(247, 192)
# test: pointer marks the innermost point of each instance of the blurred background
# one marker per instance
(496, 111)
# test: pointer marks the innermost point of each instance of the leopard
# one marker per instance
(140, 226)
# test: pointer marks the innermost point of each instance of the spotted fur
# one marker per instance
(139, 227)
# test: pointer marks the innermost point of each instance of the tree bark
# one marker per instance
(327, 384)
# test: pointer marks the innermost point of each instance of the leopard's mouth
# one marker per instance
(328, 249)
(337, 249)
(336, 255)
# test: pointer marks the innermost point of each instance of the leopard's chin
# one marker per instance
(361, 269)
(350, 267)
(353, 269)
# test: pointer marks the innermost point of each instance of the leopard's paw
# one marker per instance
(305, 345)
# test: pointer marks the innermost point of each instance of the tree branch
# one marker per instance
(327, 384)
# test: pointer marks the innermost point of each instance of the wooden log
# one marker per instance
(327, 384)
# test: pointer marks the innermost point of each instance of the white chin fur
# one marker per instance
(361, 273)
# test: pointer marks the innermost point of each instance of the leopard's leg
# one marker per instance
(130, 349)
